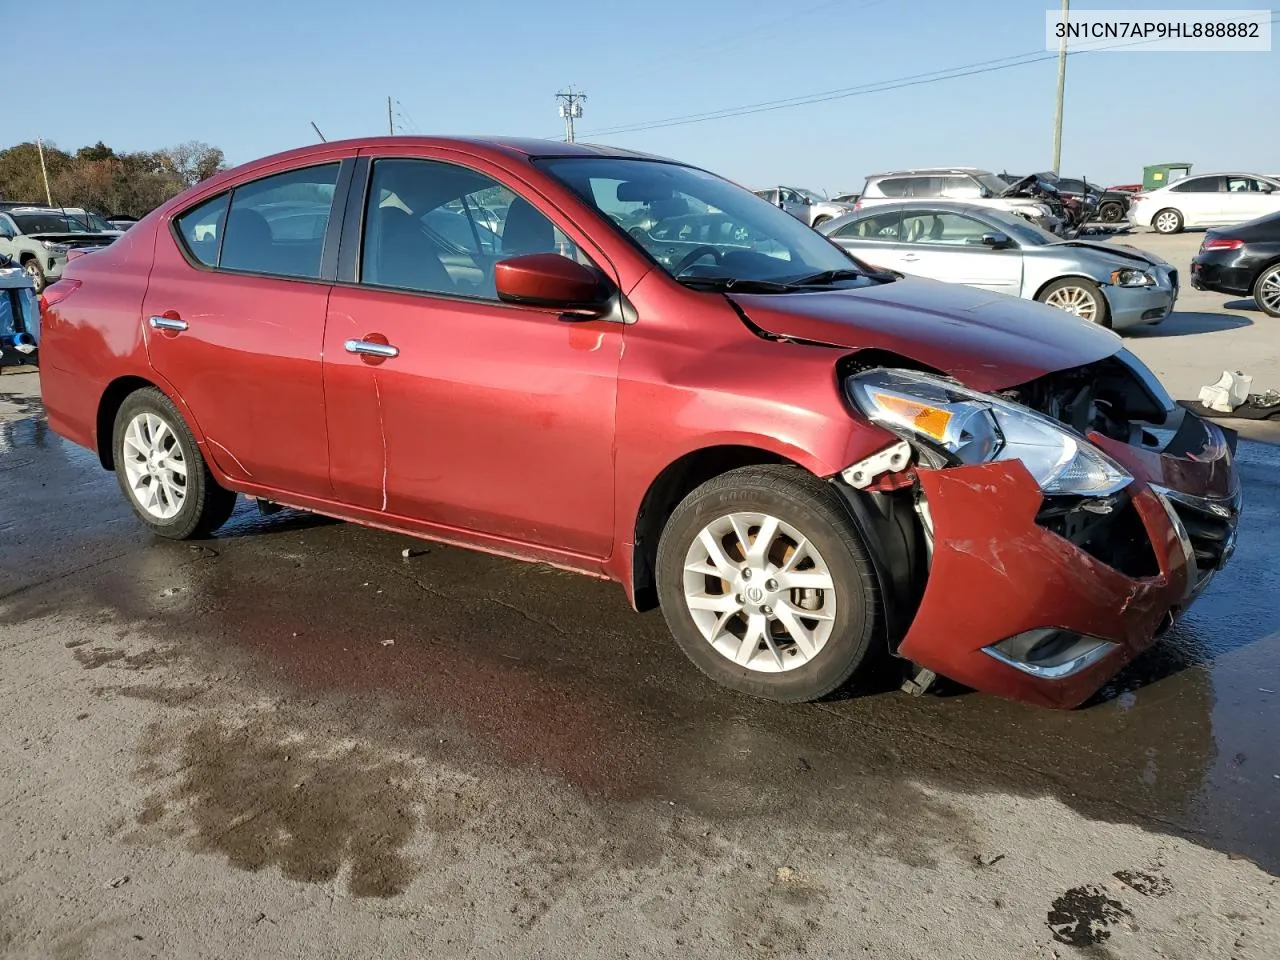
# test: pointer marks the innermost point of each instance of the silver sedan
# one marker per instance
(1107, 283)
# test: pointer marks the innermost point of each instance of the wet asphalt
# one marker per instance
(545, 671)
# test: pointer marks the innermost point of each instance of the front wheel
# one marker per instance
(767, 585)
(1266, 290)
(1078, 296)
(31, 266)
(1167, 221)
(161, 471)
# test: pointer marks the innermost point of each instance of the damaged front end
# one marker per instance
(1035, 539)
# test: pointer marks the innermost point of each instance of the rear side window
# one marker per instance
(895, 186)
(1197, 185)
(201, 229)
(277, 225)
(880, 226)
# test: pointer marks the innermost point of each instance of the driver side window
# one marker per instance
(7, 230)
(435, 227)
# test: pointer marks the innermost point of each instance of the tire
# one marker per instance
(803, 506)
(1167, 221)
(819, 221)
(181, 508)
(1266, 290)
(1074, 295)
(31, 267)
(1111, 212)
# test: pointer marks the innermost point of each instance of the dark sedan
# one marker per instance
(1244, 260)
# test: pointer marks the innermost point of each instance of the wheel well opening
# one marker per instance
(676, 482)
(108, 406)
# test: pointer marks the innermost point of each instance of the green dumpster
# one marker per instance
(1162, 174)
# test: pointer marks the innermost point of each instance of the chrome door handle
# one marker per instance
(371, 349)
(910, 258)
(167, 323)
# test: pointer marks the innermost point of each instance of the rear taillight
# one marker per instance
(1137, 196)
(857, 206)
(1221, 243)
(55, 293)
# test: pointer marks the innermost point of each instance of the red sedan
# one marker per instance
(634, 369)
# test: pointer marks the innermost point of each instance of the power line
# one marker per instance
(882, 86)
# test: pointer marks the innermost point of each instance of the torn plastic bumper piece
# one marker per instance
(1014, 609)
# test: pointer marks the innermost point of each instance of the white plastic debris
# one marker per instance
(1231, 390)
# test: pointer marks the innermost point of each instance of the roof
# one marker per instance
(916, 170)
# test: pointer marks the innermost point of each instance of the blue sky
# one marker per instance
(249, 75)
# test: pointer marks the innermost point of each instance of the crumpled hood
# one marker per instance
(1116, 251)
(987, 341)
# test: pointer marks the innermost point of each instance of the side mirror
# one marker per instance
(996, 241)
(985, 193)
(550, 280)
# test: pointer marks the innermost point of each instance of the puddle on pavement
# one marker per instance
(529, 669)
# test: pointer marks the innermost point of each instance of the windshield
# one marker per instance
(813, 197)
(57, 222)
(698, 226)
(993, 183)
(1021, 229)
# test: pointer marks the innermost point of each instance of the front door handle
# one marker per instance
(371, 349)
(167, 323)
(910, 258)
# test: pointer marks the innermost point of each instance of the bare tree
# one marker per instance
(193, 161)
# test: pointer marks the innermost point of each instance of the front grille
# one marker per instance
(1110, 530)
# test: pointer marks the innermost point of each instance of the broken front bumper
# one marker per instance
(1014, 608)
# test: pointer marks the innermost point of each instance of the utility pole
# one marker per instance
(391, 126)
(570, 109)
(44, 172)
(318, 133)
(1062, 87)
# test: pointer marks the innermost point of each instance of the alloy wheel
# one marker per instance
(1167, 222)
(155, 466)
(1076, 300)
(1269, 292)
(759, 592)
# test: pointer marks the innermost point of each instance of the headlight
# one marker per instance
(55, 247)
(970, 428)
(1132, 278)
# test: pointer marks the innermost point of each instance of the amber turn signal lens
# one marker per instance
(931, 421)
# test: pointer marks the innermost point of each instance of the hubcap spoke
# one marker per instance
(759, 549)
(756, 625)
(806, 580)
(802, 635)
(716, 554)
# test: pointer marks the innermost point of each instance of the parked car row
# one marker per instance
(42, 239)
(807, 462)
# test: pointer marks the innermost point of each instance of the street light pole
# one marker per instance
(1062, 87)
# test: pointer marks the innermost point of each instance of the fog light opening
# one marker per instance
(1050, 653)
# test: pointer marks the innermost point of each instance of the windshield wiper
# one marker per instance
(740, 284)
(830, 276)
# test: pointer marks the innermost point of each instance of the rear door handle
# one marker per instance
(910, 258)
(167, 323)
(371, 349)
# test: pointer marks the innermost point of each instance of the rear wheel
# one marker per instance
(1078, 296)
(767, 585)
(31, 266)
(161, 471)
(1167, 221)
(1266, 290)
(1111, 212)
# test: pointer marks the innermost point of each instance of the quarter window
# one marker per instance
(277, 225)
(439, 228)
(1242, 185)
(201, 229)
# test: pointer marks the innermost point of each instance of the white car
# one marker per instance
(1206, 200)
(967, 184)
